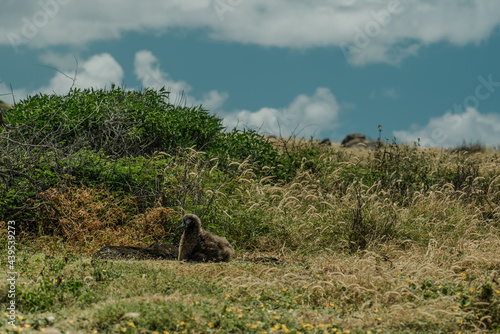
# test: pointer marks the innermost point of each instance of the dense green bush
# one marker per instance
(112, 137)
(246, 145)
(124, 123)
(116, 121)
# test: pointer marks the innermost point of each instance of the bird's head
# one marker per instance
(189, 220)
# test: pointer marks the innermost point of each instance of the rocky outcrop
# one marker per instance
(357, 140)
(326, 141)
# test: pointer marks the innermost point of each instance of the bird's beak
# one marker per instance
(182, 225)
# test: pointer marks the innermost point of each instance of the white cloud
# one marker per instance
(213, 100)
(147, 70)
(374, 30)
(40, 23)
(51, 58)
(452, 129)
(98, 71)
(6, 93)
(306, 116)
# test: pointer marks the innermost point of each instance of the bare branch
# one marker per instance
(15, 172)
(73, 79)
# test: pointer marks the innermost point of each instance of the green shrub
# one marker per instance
(110, 137)
(116, 121)
(243, 145)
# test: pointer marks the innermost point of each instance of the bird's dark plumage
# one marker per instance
(157, 251)
(200, 245)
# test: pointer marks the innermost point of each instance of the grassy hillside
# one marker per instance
(391, 239)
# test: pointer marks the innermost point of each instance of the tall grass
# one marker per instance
(395, 238)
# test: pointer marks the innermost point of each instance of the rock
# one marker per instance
(357, 140)
(350, 137)
(326, 141)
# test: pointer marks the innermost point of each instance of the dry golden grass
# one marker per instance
(88, 218)
(345, 252)
(375, 290)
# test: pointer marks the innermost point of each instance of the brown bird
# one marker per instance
(200, 245)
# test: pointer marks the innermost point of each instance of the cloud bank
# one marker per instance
(100, 71)
(366, 30)
(316, 114)
(147, 70)
(452, 129)
(305, 116)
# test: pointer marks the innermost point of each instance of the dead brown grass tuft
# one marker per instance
(89, 218)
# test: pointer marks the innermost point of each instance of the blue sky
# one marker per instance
(422, 68)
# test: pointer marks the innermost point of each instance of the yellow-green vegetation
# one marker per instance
(395, 239)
